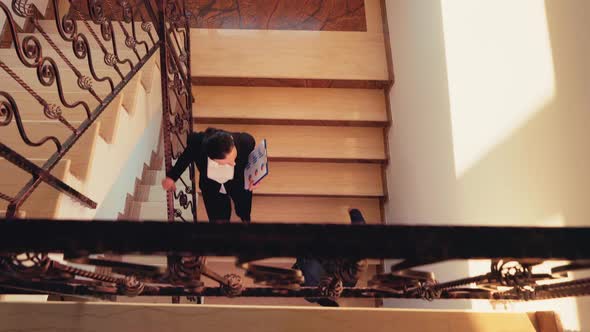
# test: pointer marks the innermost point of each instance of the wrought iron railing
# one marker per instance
(341, 250)
(91, 30)
(177, 102)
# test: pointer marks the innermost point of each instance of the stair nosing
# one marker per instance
(289, 122)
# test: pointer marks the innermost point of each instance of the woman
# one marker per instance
(221, 158)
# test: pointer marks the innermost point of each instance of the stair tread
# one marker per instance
(80, 154)
(322, 179)
(308, 178)
(287, 209)
(288, 54)
(68, 80)
(305, 209)
(315, 142)
(50, 27)
(36, 130)
(31, 110)
(304, 104)
(337, 179)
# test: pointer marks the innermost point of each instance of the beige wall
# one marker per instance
(490, 110)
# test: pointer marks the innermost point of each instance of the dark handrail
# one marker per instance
(340, 249)
(42, 174)
(293, 240)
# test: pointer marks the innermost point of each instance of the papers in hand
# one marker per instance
(257, 167)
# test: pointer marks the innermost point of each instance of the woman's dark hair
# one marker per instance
(218, 143)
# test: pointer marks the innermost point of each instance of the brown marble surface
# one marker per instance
(326, 15)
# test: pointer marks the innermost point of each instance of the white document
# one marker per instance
(257, 167)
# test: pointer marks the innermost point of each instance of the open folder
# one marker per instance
(257, 167)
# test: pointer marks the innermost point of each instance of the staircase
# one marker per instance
(325, 129)
(106, 143)
(317, 97)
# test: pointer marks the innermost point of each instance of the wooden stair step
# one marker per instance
(322, 179)
(315, 142)
(66, 46)
(291, 105)
(305, 179)
(82, 64)
(68, 79)
(301, 179)
(36, 130)
(50, 27)
(288, 54)
(278, 209)
(150, 193)
(305, 209)
(155, 211)
(44, 200)
(152, 177)
(31, 111)
(80, 154)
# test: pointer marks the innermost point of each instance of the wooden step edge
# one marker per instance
(316, 195)
(145, 189)
(327, 160)
(82, 153)
(292, 122)
(110, 120)
(130, 93)
(150, 70)
(289, 82)
(126, 208)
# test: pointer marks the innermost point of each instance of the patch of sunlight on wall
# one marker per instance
(500, 71)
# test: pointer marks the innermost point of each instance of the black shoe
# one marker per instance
(327, 303)
(356, 217)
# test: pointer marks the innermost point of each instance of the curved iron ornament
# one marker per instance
(30, 12)
(48, 73)
(98, 16)
(9, 110)
(36, 272)
(177, 101)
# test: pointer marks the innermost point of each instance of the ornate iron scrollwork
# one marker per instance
(50, 72)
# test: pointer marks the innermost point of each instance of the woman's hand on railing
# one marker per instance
(168, 184)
